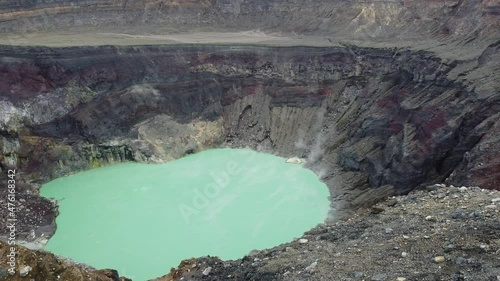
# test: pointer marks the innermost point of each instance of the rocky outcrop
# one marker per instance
(35, 216)
(479, 165)
(38, 265)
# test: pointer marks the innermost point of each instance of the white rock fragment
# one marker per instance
(25, 271)
(207, 271)
(430, 218)
(439, 259)
(295, 160)
(312, 266)
(484, 246)
(303, 241)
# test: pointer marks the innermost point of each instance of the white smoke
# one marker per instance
(322, 173)
(301, 143)
(317, 150)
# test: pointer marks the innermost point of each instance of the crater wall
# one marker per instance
(396, 94)
(370, 122)
(389, 95)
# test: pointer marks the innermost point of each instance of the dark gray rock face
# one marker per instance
(364, 118)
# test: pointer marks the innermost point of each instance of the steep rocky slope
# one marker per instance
(440, 19)
(45, 266)
(380, 96)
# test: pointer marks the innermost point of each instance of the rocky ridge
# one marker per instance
(37, 265)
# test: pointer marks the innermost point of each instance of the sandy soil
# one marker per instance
(445, 49)
(110, 38)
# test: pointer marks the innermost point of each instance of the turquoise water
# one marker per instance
(144, 219)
